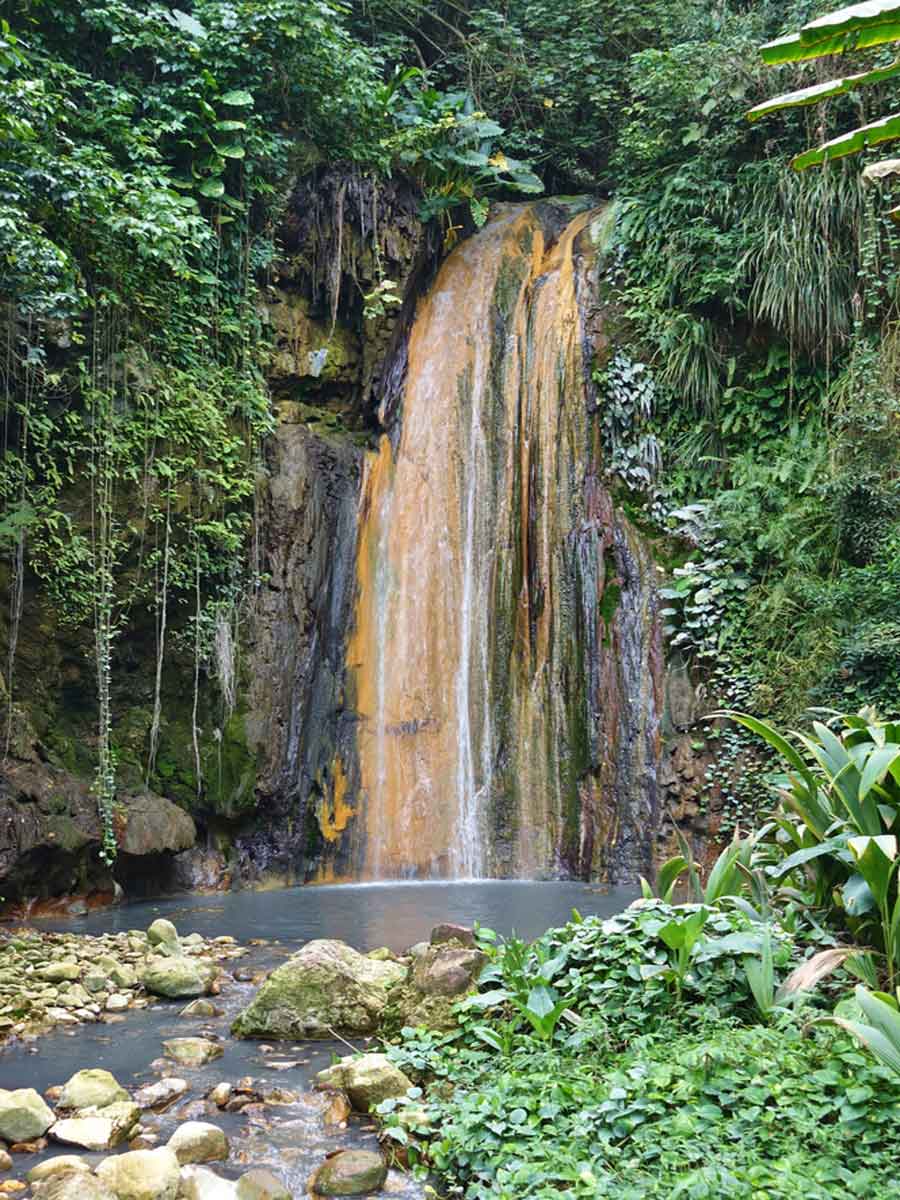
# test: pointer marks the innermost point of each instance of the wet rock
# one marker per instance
(200, 1008)
(260, 1184)
(199, 1183)
(367, 1080)
(121, 974)
(350, 1173)
(91, 1089)
(154, 825)
(326, 985)
(142, 1174)
(34, 1147)
(118, 1002)
(338, 1110)
(448, 932)
(220, 1094)
(177, 977)
(192, 1051)
(163, 933)
(162, 1093)
(72, 1185)
(447, 971)
(65, 1164)
(199, 1142)
(59, 972)
(23, 1115)
(381, 954)
(98, 1128)
(6, 1161)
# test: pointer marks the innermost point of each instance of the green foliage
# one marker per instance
(644, 1097)
(840, 799)
(858, 27)
(880, 1031)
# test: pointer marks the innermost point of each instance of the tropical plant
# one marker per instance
(858, 27)
(840, 799)
(880, 1031)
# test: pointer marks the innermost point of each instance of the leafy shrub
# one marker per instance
(737, 1113)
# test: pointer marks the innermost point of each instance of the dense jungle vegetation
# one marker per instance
(149, 152)
(750, 417)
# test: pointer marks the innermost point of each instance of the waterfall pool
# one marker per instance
(290, 1139)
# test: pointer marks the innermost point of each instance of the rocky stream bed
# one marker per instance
(153, 1064)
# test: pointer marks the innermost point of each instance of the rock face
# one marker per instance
(23, 1115)
(325, 986)
(443, 972)
(350, 1173)
(297, 666)
(367, 1079)
(98, 1128)
(50, 833)
(141, 1175)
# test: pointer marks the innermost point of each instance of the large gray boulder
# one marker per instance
(325, 986)
(23, 1115)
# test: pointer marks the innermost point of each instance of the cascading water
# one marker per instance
(504, 663)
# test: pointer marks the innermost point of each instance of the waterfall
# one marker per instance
(504, 661)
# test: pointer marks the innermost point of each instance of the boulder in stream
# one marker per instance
(23, 1115)
(91, 1089)
(141, 1174)
(192, 1051)
(350, 1173)
(260, 1184)
(367, 1079)
(63, 1164)
(72, 1185)
(177, 977)
(325, 986)
(199, 1183)
(198, 1142)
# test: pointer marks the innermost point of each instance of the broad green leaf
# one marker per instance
(238, 99)
(877, 766)
(855, 28)
(230, 126)
(822, 91)
(233, 151)
(669, 874)
(876, 858)
(799, 857)
(213, 188)
(858, 896)
(724, 878)
(884, 1049)
(885, 130)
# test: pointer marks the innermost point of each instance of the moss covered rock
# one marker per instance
(350, 1173)
(325, 986)
(177, 977)
(367, 1079)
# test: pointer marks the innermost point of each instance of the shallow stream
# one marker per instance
(290, 1139)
